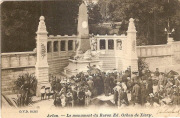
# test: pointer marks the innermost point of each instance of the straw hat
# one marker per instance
(118, 83)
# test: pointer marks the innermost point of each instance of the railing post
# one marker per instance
(98, 44)
(106, 42)
(115, 44)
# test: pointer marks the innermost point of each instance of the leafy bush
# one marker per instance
(26, 85)
(142, 65)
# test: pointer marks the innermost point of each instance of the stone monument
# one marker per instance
(84, 57)
(41, 66)
(131, 54)
(83, 30)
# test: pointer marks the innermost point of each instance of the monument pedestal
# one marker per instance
(43, 78)
(77, 66)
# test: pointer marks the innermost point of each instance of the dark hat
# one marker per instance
(135, 72)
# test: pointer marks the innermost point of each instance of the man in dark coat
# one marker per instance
(136, 91)
(81, 97)
(123, 97)
(90, 83)
(143, 92)
(149, 86)
(58, 85)
(157, 73)
(107, 85)
(75, 97)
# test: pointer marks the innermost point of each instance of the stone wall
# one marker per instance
(58, 61)
(176, 53)
(13, 65)
(164, 57)
(18, 60)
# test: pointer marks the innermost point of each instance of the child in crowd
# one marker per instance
(42, 91)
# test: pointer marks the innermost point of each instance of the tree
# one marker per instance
(105, 9)
(151, 17)
(95, 16)
(20, 21)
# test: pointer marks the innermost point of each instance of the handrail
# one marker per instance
(18, 53)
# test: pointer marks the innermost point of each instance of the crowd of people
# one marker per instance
(148, 89)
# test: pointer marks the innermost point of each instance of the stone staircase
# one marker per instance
(108, 60)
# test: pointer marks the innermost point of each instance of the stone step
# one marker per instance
(109, 63)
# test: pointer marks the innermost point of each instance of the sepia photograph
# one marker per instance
(90, 58)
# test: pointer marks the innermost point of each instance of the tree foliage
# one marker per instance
(95, 16)
(151, 17)
(20, 21)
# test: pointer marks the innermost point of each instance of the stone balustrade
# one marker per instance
(61, 43)
(108, 42)
(18, 60)
(154, 50)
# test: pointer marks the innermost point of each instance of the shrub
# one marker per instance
(26, 85)
(142, 65)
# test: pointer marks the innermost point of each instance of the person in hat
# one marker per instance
(47, 92)
(81, 97)
(143, 92)
(157, 73)
(112, 84)
(122, 98)
(116, 91)
(101, 83)
(57, 101)
(53, 84)
(147, 72)
(75, 97)
(87, 96)
(42, 91)
(58, 85)
(106, 85)
(136, 93)
(63, 99)
(69, 98)
(149, 86)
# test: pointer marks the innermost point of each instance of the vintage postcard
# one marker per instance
(90, 59)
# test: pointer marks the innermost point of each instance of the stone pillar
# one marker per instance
(59, 47)
(98, 44)
(52, 43)
(42, 72)
(66, 45)
(115, 44)
(106, 44)
(74, 45)
(131, 54)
